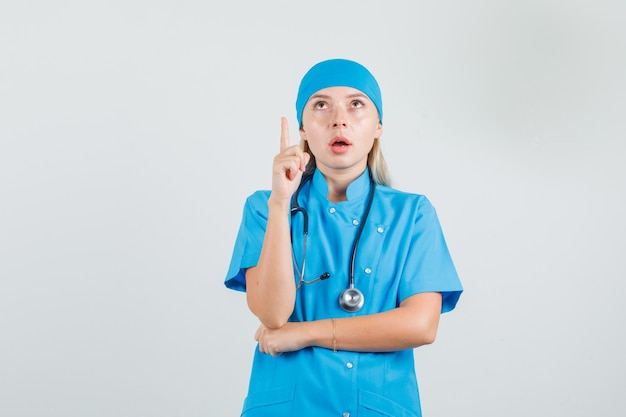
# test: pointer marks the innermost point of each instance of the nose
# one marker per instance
(339, 119)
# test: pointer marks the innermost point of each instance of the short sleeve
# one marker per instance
(429, 266)
(249, 240)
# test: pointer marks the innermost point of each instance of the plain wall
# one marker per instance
(131, 133)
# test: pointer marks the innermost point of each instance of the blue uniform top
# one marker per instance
(402, 252)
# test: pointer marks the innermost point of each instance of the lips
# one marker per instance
(339, 144)
(340, 141)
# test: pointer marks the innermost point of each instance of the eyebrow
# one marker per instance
(325, 96)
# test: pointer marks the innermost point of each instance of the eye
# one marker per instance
(357, 104)
(320, 105)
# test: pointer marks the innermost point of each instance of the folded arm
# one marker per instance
(414, 323)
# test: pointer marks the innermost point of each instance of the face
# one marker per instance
(340, 125)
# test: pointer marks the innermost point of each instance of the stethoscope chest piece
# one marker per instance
(351, 299)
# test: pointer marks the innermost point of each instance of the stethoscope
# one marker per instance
(351, 299)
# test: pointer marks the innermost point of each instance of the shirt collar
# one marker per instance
(357, 188)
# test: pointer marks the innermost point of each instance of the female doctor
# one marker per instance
(346, 274)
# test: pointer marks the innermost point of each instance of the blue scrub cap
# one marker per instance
(338, 73)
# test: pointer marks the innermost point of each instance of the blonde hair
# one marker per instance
(375, 162)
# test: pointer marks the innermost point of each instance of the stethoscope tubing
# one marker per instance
(351, 299)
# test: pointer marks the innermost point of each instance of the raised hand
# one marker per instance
(288, 167)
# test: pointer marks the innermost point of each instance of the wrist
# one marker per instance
(277, 204)
(321, 333)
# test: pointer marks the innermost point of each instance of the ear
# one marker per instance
(379, 130)
(302, 134)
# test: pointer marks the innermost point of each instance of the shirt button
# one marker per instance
(380, 229)
(331, 210)
(368, 271)
(349, 365)
(355, 222)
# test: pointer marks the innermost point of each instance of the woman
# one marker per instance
(346, 275)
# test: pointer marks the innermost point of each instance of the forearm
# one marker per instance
(270, 286)
(411, 325)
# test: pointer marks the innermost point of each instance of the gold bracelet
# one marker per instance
(334, 336)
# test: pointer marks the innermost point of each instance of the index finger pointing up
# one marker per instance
(284, 134)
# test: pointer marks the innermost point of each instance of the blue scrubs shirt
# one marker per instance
(402, 252)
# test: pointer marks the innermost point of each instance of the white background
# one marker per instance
(132, 131)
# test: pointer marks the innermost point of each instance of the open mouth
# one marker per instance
(339, 143)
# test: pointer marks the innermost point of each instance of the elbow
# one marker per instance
(422, 318)
(423, 333)
(272, 318)
(428, 337)
(273, 321)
